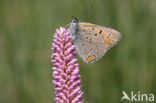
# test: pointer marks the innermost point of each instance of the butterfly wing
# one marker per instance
(93, 41)
(111, 36)
(89, 51)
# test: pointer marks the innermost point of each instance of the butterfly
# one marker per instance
(92, 41)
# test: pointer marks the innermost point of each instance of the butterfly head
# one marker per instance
(75, 20)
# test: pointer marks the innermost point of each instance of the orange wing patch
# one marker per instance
(97, 30)
(107, 37)
(108, 40)
(83, 24)
(90, 58)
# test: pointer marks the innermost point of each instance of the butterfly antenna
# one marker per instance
(86, 11)
(89, 8)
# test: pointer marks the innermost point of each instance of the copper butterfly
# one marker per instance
(92, 41)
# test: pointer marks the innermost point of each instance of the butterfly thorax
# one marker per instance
(74, 28)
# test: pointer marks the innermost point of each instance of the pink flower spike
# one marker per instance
(65, 69)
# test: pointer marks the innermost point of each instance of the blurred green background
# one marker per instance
(26, 34)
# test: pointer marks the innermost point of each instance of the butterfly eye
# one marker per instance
(75, 20)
